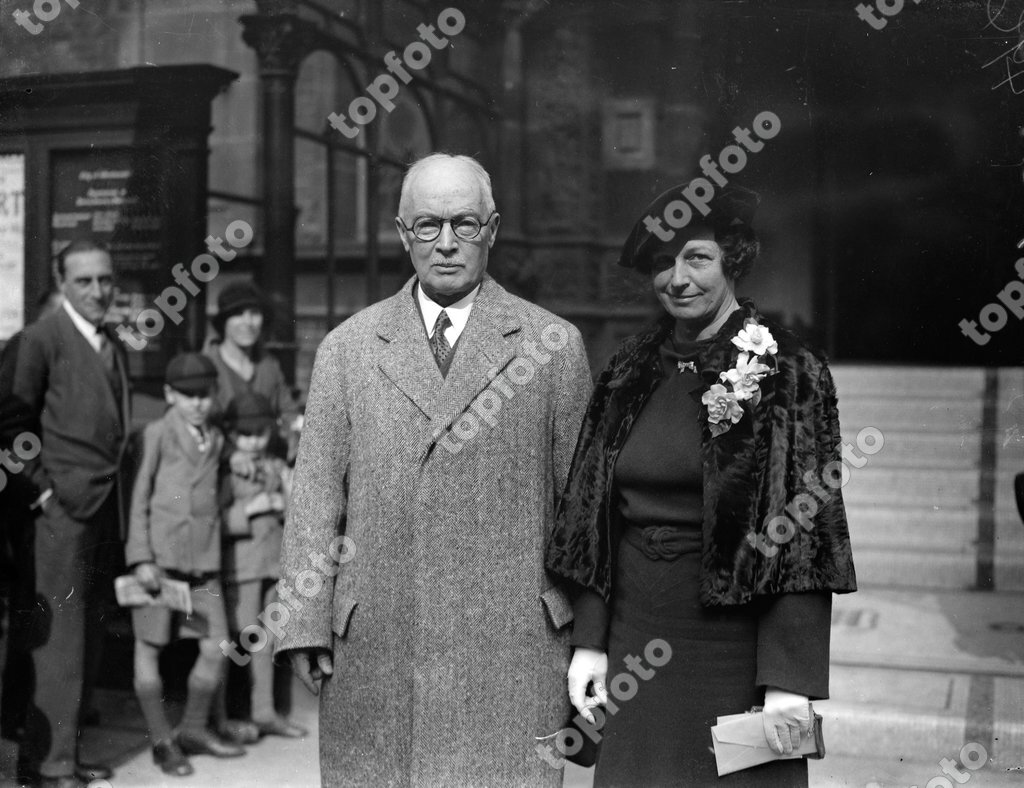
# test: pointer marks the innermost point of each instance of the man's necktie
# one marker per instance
(110, 364)
(438, 342)
(106, 352)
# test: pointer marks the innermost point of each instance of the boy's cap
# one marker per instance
(250, 413)
(191, 373)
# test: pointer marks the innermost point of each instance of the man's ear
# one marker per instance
(494, 232)
(58, 280)
(401, 234)
(167, 394)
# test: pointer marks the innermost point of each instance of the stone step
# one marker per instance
(942, 414)
(897, 381)
(909, 449)
(909, 486)
(916, 674)
(914, 567)
(895, 527)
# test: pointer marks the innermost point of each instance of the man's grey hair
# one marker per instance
(417, 167)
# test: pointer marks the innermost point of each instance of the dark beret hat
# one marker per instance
(191, 373)
(731, 206)
(250, 413)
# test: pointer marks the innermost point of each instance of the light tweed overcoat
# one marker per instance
(450, 642)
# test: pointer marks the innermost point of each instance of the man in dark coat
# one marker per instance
(439, 428)
(66, 384)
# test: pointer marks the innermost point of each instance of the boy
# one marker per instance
(174, 531)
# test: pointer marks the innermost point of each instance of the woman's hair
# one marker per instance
(740, 248)
(219, 319)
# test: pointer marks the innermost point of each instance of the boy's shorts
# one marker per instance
(159, 625)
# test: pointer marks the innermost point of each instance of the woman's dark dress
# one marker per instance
(661, 736)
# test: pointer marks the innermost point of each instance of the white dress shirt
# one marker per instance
(458, 313)
(88, 330)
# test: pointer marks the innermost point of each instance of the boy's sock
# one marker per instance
(150, 695)
(197, 707)
(263, 685)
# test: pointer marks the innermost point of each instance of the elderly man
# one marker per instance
(439, 429)
(65, 383)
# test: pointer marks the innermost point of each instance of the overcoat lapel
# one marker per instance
(405, 357)
(484, 349)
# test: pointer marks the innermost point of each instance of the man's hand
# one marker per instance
(311, 665)
(787, 718)
(149, 575)
(588, 666)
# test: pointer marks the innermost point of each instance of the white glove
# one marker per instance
(588, 665)
(787, 718)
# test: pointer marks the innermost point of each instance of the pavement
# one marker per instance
(121, 742)
(917, 677)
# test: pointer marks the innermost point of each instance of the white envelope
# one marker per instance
(740, 743)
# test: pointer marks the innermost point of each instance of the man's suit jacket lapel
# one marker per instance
(85, 358)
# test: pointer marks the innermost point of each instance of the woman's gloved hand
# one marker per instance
(787, 718)
(588, 665)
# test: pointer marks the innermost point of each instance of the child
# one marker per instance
(255, 524)
(174, 531)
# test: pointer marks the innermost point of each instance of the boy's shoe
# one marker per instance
(239, 731)
(171, 760)
(279, 726)
(206, 743)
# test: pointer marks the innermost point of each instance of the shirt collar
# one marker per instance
(88, 330)
(458, 312)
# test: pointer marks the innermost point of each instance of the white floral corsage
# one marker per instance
(756, 346)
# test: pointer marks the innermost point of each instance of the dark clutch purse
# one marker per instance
(578, 741)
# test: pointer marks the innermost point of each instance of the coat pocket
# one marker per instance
(558, 606)
(342, 613)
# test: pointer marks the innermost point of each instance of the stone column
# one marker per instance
(281, 41)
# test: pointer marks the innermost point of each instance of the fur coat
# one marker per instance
(777, 451)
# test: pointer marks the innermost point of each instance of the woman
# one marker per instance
(699, 433)
(242, 365)
(250, 573)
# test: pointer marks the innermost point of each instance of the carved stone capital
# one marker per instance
(281, 41)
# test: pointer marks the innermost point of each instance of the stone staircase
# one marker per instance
(934, 508)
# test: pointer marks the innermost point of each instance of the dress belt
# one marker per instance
(662, 543)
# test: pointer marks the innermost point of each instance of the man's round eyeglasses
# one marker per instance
(428, 228)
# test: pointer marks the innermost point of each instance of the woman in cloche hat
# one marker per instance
(698, 594)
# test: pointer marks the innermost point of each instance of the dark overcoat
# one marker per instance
(450, 641)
